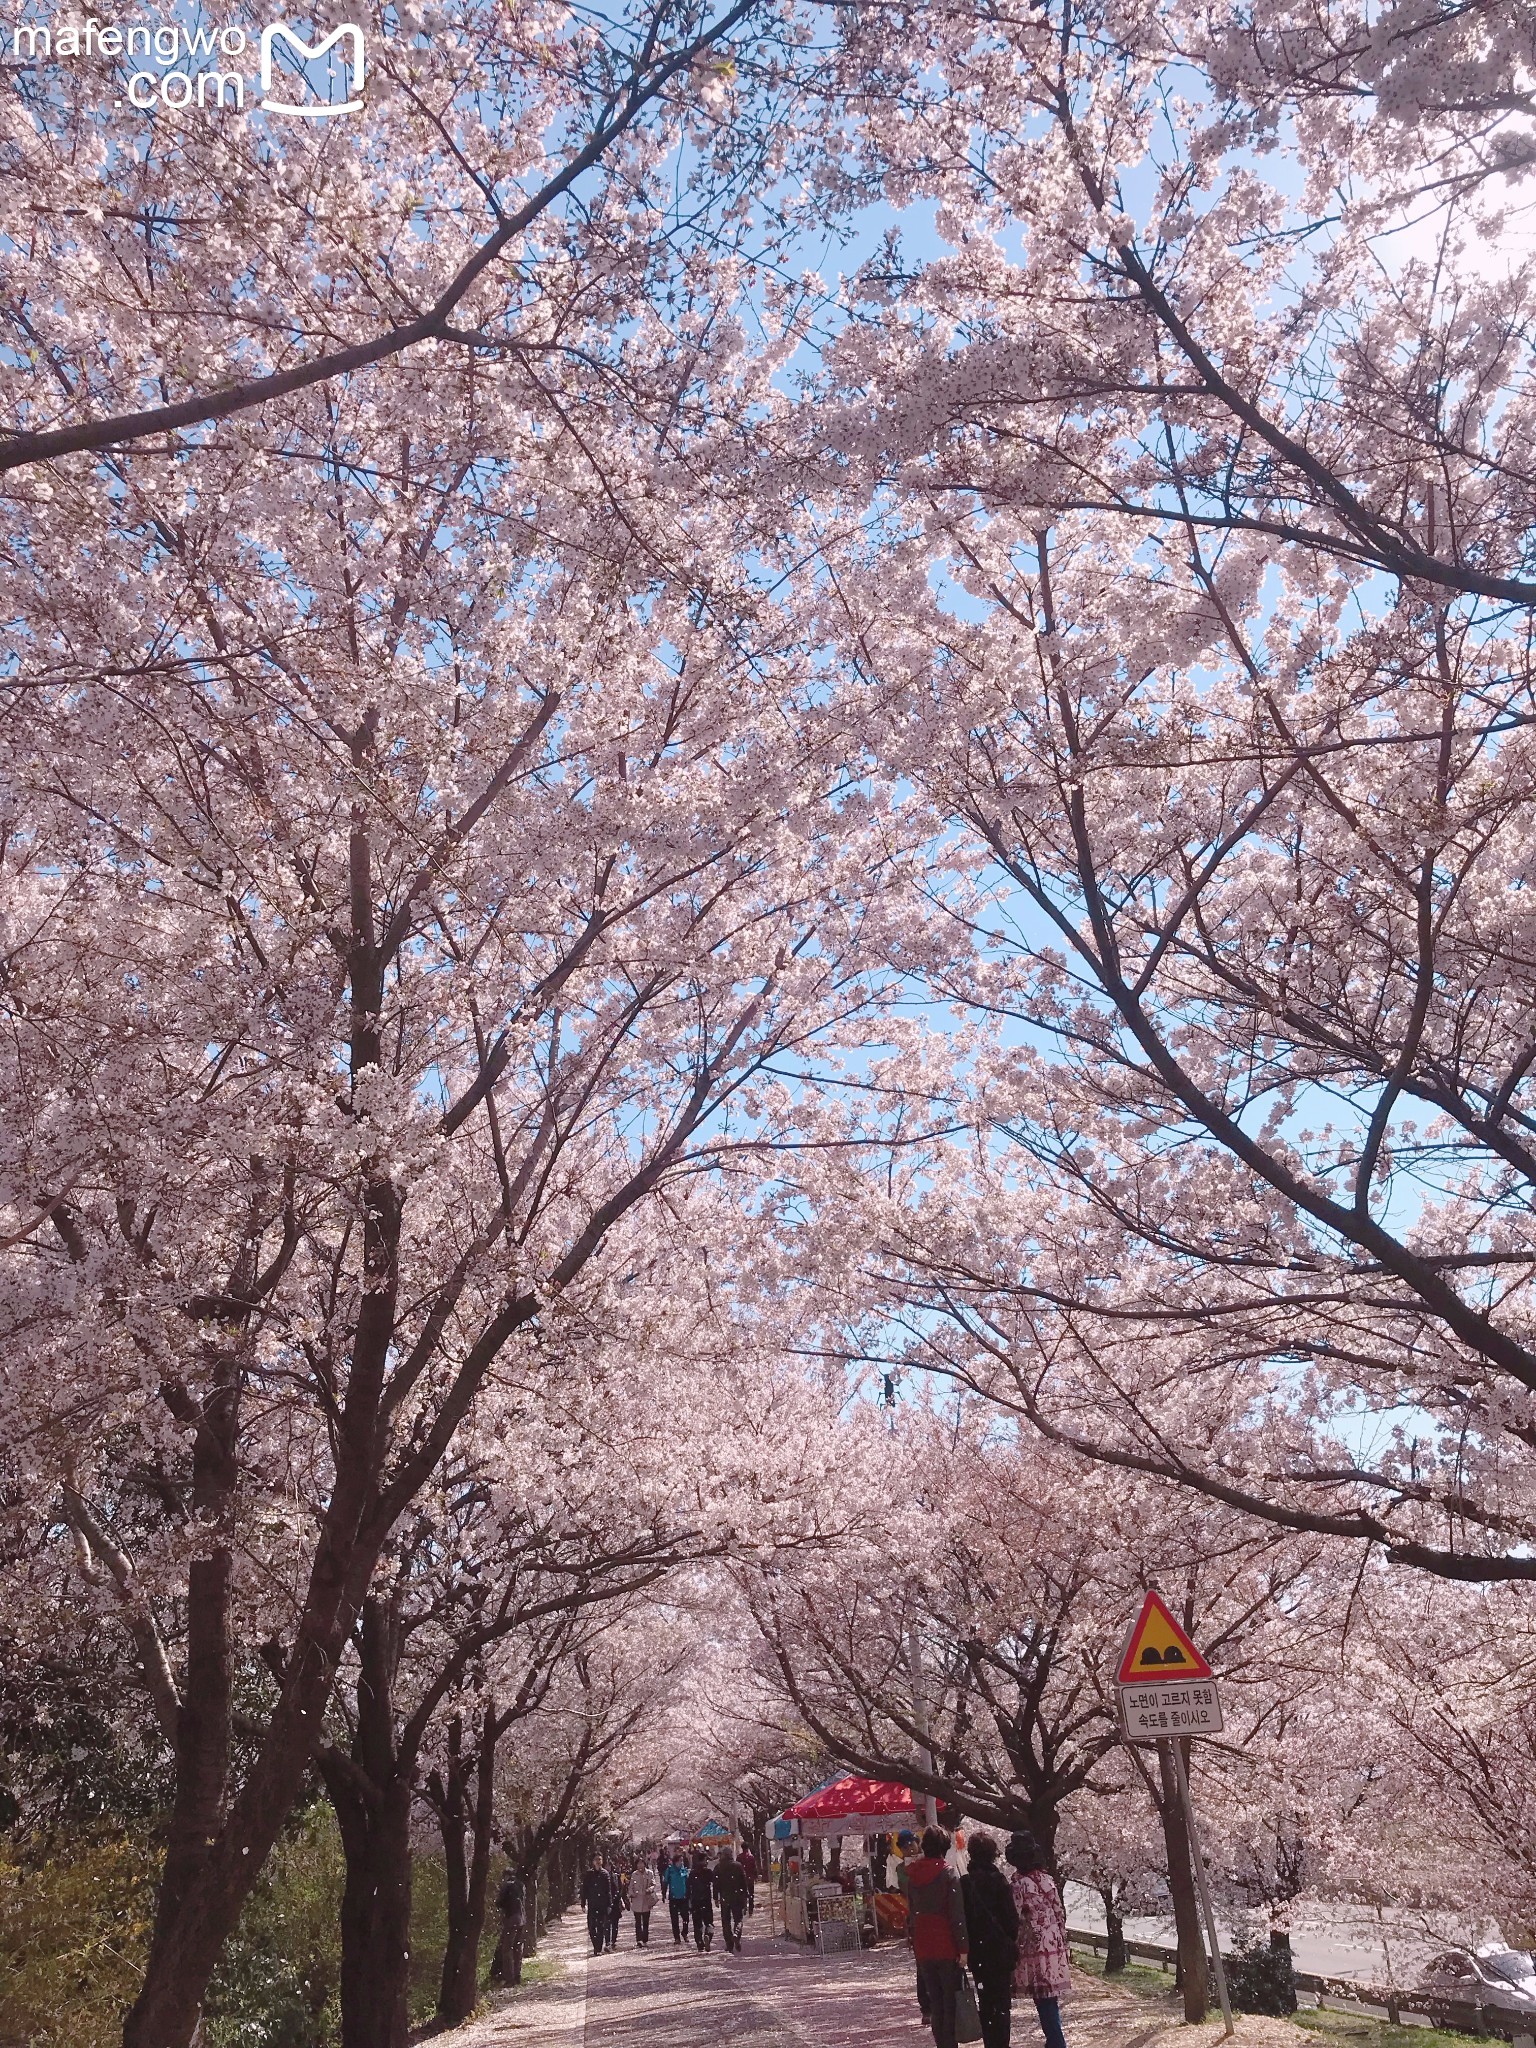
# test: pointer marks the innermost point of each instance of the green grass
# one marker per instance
(1144, 1978)
(545, 1969)
(1345, 2029)
(536, 1970)
(1367, 2030)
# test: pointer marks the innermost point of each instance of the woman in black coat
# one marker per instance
(993, 1922)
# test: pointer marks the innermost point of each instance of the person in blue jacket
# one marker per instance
(676, 1884)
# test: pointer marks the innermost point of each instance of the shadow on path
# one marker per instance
(777, 1994)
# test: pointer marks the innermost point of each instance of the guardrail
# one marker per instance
(1458, 2016)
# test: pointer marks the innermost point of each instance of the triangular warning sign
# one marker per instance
(1158, 1648)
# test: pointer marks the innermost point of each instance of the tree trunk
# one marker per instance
(1193, 1965)
(372, 1791)
(198, 1867)
(192, 1925)
(482, 1842)
(193, 1920)
(467, 1880)
(536, 1899)
(1044, 1823)
(202, 1774)
(376, 1918)
(448, 1797)
(1116, 1955)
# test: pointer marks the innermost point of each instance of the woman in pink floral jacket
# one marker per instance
(1043, 1971)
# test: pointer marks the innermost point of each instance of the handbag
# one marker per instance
(967, 2018)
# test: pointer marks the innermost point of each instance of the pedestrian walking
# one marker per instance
(597, 1897)
(507, 1963)
(749, 1872)
(643, 1894)
(907, 1853)
(701, 1902)
(676, 1887)
(733, 1892)
(992, 1922)
(616, 1904)
(1044, 1967)
(937, 1926)
(663, 1858)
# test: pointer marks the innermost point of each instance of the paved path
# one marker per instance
(552, 2014)
(776, 1994)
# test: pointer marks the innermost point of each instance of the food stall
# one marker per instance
(834, 1913)
(711, 1834)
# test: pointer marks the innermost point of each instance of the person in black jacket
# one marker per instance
(733, 1892)
(597, 1897)
(507, 1965)
(993, 1921)
(701, 1901)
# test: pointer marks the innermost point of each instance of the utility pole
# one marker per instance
(920, 1719)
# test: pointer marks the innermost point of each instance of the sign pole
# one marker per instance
(1200, 1879)
(1168, 1693)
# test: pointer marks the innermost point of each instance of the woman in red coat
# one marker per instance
(936, 1928)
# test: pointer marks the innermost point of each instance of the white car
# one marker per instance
(1502, 1977)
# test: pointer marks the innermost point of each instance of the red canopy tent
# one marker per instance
(854, 1806)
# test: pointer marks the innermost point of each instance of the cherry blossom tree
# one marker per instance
(1109, 1841)
(1254, 1163)
(754, 1758)
(611, 1750)
(512, 181)
(1211, 267)
(488, 771)
(403, 890)
(1176, 519)
(519, 1622)
(967, 1644)
(1203, 609)
(1447, 1681)
(576, 1524)
(462, 1795)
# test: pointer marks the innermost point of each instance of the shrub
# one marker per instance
(75, 1928)
(277, 1983)
(1261, 1978)
(76, 1919)
(73, 1938)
